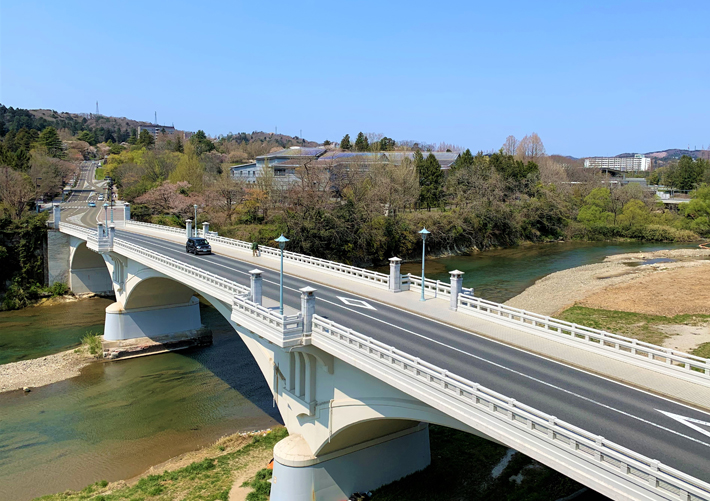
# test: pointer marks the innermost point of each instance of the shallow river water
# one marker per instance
(117, 419)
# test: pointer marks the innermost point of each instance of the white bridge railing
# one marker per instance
(346, 271)
(435, 288)
(187, 271)
(284, 330)
(636, 468)
(697, 366)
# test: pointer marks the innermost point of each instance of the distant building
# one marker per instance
(155, 129)
(619, 164)
(284, 163)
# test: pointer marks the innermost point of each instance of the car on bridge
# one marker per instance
(197, 245)
(92, 204)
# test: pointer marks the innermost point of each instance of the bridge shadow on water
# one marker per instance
(230, 360)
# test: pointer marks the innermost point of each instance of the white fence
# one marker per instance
(284, 330)
(434, 288)
(695, 366)
(351, 272)
(634, 467)
(227, 287)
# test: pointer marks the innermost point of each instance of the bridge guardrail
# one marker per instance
(434, 287)
(637, 468)
(697, 366)
(230, 287)
(283, 329)
(371, 277)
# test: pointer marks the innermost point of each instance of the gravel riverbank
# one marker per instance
(558, 291)
(43, 371)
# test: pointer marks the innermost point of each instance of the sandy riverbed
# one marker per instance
(43, 371)
(626, 282)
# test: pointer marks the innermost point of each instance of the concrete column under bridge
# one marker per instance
(301, 476)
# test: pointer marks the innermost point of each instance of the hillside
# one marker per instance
(664, 156)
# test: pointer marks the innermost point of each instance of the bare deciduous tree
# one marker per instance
(510, 146)
(530, 148)
(16, 191)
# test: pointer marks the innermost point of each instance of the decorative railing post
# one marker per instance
(456, 287)
(256, 285)
(126, 211)
(57, 215)
(205, 229)
(395, 280)
(308, 308)
(188, 228)
(111, 234)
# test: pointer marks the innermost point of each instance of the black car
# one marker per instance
(197, 245)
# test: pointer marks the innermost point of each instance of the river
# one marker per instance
(117, 419)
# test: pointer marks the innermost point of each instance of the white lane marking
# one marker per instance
(358, 303)
(463, 352)
(690, 422)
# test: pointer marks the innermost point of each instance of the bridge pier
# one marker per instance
(300, 476)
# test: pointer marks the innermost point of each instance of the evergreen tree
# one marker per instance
(133, 138)
(387, 144)
(326, 143)
(431, 180)
(201, 143)
(361, 143)
(49, 139)
(178, 145)
(345, 142)
(145, 139)
(87, 136)
(464, 160)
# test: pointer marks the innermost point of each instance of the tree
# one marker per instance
(326, 143)
(395, 187)
(465, 160)
(201, 143)
(361, 142)
(145, 139)
(49, 140)
(16, 191)
(345, 142)
(87, 136)
(687, 173)
(189, 169)
(530, 148)
(133, 138)
(168, 198)
(226, 193)
(387, 144)
(430, 182)
(510, 146)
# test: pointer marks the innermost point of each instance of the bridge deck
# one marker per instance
(625, 415)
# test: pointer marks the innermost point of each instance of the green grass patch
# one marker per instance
(92, 343)
(635, 325)
(99, 174)
(261, 485)
(210, 479)
(702, 351)
(460, 469)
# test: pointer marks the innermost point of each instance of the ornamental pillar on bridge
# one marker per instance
(205, 229)
(256, 285)
(395, 276)
(456, 288)
(126, 211)
(308, 308)
(56, 213)
(188, 228)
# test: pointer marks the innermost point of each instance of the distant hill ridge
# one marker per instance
(671, 154)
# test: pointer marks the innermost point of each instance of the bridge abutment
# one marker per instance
(300, 476)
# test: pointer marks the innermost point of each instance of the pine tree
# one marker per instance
(361, 143)
(145, 139)
(133, 139)
(431, 181)
(49, 139)
(345, 142)
(464, 160)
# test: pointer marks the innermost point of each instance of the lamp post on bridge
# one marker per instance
(282, 243)
(37, 188)
(106, 216)
(195, 230)
(424, 234)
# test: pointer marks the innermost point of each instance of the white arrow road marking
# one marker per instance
(690, 422)
(358, 303)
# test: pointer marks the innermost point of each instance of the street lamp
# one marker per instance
(423, 233)
(282, 243)
(37, 187)
(105, 217)
(195, 206)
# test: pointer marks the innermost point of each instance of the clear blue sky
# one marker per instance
(597, 79)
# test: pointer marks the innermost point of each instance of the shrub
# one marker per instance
(92, 342)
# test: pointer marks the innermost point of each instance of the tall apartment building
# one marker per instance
(619, 164)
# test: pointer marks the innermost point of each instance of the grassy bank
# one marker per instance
(208, 479)
(635, 325)
(99, 174)
(461, 466)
